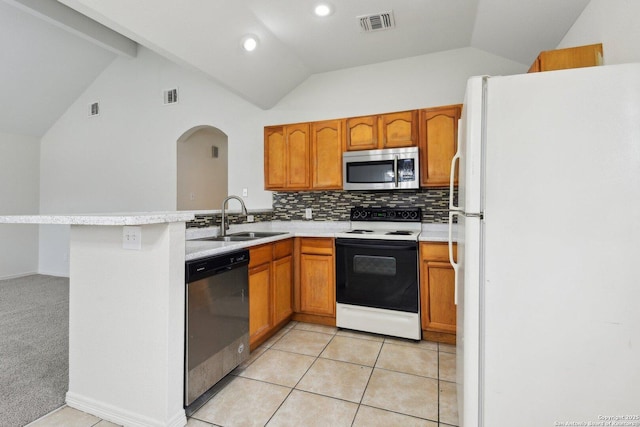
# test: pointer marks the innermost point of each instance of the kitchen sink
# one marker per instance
(257, 234)
(242, 236)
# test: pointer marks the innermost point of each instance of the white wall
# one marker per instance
(125, 158)
(614, 23)
(417, 82)
(19, 175)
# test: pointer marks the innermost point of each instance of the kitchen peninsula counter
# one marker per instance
(126, 315)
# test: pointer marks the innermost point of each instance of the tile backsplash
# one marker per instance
(336, 205)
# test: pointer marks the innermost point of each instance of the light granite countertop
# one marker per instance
(195, 249)
(129, 218)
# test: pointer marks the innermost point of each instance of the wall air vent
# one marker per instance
(170, 96)
(94, 109)
(377, 22)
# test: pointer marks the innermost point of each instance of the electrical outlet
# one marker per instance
(250, 218)
(245, 192)
(308, 214)
(132, 237)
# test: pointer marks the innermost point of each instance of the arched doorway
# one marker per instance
(202, 181)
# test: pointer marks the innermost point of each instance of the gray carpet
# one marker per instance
(34, 347)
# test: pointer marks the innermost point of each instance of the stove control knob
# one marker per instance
(405, 214)
(391, 214)
(413, 215)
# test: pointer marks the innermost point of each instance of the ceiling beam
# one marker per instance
(76, 23)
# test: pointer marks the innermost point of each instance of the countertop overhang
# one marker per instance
(129, 218)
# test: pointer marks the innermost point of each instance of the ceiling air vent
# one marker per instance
(376, 22)
(170, 96)
(94, 109)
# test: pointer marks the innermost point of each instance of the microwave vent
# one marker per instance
(377, 21)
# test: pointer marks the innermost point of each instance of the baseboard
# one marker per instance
(52, 273)
(121, 416)
(16, 276)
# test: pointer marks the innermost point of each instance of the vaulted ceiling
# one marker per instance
(293, 42)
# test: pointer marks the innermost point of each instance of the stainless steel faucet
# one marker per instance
(224, 224)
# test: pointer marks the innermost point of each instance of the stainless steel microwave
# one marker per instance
(387, 169)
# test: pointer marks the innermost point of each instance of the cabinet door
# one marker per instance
(437, 289)
(259, 301)
(438, 143)
(282, 288)
(275, 158)
(317, 284)
(399, 129)
(298, 151)
(326, 154)
(362, 133)
(572, 57)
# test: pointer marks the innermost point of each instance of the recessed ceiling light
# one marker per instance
(249, 43)
(323, 9)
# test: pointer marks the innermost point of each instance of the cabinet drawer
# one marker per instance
(437, 251)
(315, 245)
(260, 255)
(282, 248)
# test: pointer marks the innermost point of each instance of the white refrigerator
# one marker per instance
(548, 275)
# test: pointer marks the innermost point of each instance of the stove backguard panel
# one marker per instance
(336, 205)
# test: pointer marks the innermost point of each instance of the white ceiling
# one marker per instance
(205, 34)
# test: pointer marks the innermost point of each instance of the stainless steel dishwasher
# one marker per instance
(217, 320)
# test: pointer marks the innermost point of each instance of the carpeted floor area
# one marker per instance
(34, 347)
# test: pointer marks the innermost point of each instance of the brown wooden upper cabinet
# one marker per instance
(572, 57)
(286, 156)
(327, 144)
(438, 144)
(382, 131)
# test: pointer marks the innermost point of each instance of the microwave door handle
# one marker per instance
(395, 169)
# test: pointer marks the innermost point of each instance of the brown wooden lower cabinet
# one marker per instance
(314, 283)
(270, 289)
(437, 288)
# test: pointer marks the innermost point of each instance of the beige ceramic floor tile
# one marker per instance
(374, 417)
(192, 422)
(360, 334)
(410, 360)
(447, 348)
(104, 423)
(353, 350)
(290, 325)
(425, 345)
(316, 328)
(303, 342)
(275, 338)
(279, 367)
(403, 393)
(67, 417)
(447, 366)
(448, 403)
(336, 379)
(243, 402)
(311, 410)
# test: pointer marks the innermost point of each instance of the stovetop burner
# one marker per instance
(360, 231)
(399, 233)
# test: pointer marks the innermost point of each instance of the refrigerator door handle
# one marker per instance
(453, 263)
(452, 176)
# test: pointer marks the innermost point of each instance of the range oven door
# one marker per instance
(377, 273)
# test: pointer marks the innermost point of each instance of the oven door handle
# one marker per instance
(408, 246)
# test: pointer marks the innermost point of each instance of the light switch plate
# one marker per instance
(245, 192)
(132, 237)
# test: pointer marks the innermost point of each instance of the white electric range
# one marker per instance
(377, 287)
